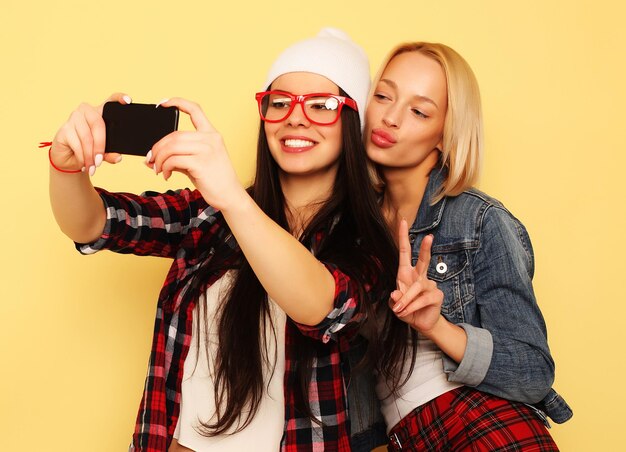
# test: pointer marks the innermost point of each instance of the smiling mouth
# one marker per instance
(296, 143)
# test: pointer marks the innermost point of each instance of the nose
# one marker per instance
(297, 116)
(392, 117)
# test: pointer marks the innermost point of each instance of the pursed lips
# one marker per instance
(382, 138)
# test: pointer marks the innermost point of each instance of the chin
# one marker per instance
(299, 171)
(377, 156)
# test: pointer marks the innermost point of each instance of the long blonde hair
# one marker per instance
(463, 127)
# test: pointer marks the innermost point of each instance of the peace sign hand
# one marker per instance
(417, 300)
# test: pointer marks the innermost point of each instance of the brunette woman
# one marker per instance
(268, 284)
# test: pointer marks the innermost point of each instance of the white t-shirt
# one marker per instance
(265, 431)
(427, 382)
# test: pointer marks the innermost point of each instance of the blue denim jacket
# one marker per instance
(483, 261)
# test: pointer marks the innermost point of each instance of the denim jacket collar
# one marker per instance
(429, 216)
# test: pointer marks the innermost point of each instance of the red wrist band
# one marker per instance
(45, 144)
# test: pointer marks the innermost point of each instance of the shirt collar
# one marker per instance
(429, 216)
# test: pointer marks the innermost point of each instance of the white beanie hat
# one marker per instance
(333, 55)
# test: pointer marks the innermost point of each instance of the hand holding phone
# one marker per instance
(134, 128)
(79, 142)
(200, 155)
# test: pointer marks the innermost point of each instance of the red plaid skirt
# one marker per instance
(465, 419)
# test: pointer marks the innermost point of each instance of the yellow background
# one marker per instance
(75, 331)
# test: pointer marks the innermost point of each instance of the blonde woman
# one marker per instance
(473, 371)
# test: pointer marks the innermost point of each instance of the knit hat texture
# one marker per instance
(333, 55)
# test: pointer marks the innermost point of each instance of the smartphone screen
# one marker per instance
(135, 128)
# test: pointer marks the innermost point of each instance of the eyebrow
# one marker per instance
(417, 96)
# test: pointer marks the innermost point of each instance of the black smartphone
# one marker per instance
(133, 129)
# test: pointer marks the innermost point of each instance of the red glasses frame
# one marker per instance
(300, 99)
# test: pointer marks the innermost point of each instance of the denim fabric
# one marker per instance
(483, 261)
(367, 426)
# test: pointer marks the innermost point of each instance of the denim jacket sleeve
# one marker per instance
(507, 352)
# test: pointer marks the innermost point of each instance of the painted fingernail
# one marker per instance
(92, 170)
(397, 307)
(149, 156)
(127, 99)
(162, 101)
(118, 159)
(98, 160)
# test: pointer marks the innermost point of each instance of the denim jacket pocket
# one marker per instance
(448, 270)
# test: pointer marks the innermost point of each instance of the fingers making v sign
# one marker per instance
(417, 300)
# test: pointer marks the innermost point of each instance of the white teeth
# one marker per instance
(298, 143)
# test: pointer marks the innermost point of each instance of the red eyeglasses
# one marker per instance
(319, 108)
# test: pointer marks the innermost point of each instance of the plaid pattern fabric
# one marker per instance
(465, 419)
(181, 226)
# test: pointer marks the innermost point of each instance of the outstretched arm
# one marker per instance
(79, 144)
(301, 285)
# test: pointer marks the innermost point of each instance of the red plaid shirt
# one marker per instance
(180, 225)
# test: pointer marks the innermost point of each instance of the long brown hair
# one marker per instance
(356, 239)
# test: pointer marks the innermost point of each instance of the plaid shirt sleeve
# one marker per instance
(150, 224)
(178, 225)
(344, 315)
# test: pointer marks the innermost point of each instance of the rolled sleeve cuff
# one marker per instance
(344, 311)
(473, 367)
(99, 244)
